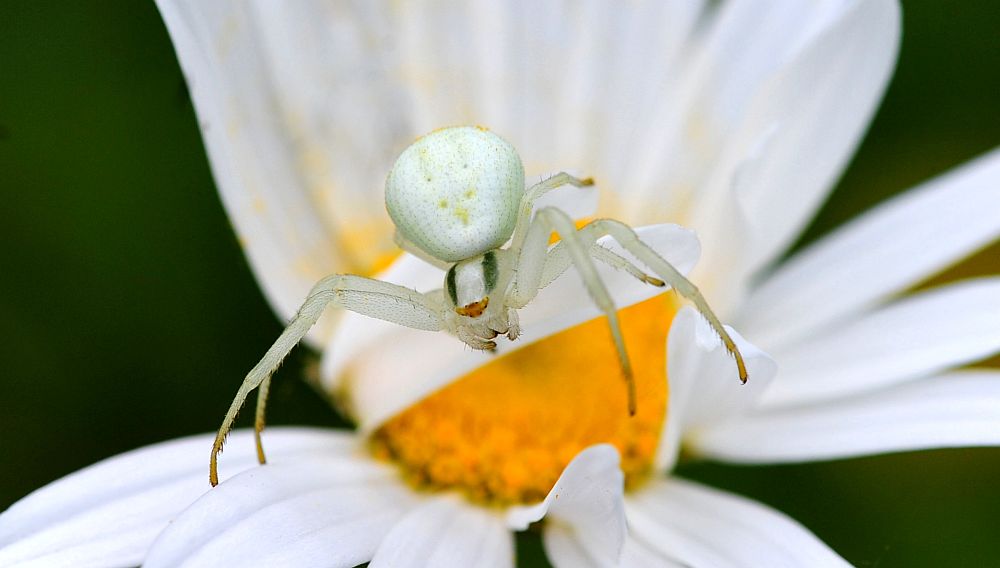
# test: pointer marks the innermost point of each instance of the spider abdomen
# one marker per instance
(455, 192)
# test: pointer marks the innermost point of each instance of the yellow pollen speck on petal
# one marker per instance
(259, 205)
(503, 433)
(366, 248)
(383, 261)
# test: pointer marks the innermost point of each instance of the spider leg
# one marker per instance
(632, 243)
(537, 265)
(557, 261)
(615, 260)
(533, 193)
(258, 421)
(530, 268)
(556, 181)
(366, 296)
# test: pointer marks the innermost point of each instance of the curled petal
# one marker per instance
(585, 511)
(704, 383)
(821, 100)
(729, 56)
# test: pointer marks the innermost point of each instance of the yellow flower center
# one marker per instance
(503, 433)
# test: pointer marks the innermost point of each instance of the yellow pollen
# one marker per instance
(382, 262)
(503, 433)
(366, 249)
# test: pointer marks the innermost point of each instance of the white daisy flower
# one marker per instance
(733, 120)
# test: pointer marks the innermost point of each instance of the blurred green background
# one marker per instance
(128, 314)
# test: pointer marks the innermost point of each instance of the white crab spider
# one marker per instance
(456, 196)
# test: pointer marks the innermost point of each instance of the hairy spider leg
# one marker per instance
(530, 267)
(258, 421)
(558, 260)
(631, 242)
(533, 193)
(365, 296)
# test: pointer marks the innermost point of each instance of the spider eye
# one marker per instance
(455, 192)
(474, 309)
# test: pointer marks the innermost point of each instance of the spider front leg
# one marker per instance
(532, 194)
(557, 261)
(365, 296)
(631, 242)
(531, 263)
(537, 266)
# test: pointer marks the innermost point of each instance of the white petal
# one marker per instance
(564, 98)
(564, 550)
(726, 54)
(620, 74)
(699, 526)
(878, 254)
(110, 512)
(380, 386)
(804, 124)
(584, 510)
(638, 554)
(320, 511)
(704, 382)
(306, 201)
(915, 337)
(447, 532)
(952, 410)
